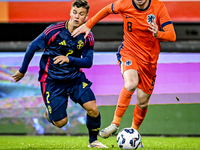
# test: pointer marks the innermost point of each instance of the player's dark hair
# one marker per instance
(81, 3)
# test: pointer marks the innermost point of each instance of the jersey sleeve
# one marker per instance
(113, 8)
(168, 34)
(118, 6)
(36, 44)
(99, 16)
(44, 39)
(164, 17)
(87, 54)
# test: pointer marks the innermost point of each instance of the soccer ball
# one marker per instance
(128, 138)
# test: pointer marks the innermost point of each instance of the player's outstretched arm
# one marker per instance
(82, 29)
(18, 76)
(85, 28)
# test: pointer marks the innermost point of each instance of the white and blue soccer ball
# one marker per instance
(128, 138)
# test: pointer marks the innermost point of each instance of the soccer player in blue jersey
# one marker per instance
(60, 74)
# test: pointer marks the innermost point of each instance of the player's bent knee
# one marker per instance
(142, 105)
(61, 123)
(91, 108)
(93, 112)
(131, 86)
(142, 99)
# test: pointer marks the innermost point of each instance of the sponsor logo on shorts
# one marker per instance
(84, 85)
(128, 63)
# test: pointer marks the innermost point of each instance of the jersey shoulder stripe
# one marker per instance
(54, 27)
(91, 39)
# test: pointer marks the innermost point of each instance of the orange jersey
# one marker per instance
(138, 41)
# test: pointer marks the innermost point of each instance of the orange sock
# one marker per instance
(123, 102)
(138, 117)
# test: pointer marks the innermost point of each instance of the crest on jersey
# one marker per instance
(150, 18)
(128, 63)
(80, 44)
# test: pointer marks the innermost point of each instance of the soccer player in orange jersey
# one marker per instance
(138, 53)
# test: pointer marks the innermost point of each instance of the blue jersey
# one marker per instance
(56, 40)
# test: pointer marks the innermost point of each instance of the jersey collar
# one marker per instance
(139, 8)
(66, 24)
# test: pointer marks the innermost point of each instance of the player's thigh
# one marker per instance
(131, 79)
(55, 98)
(147, 77)
(81, 85)
(61, 118)
(129, 70)
(127, 62)
(88, 102)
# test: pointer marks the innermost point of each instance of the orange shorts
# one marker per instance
(146, 72)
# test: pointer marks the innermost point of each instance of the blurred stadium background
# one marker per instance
(174, 107)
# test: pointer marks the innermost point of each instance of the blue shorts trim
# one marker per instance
(86, 97)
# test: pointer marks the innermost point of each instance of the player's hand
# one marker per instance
(153, 27)
(61, 59)
(18, 76)
(82, 29)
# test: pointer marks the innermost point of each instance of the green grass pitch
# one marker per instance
(80, 143)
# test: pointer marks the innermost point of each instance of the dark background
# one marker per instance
(108, 36)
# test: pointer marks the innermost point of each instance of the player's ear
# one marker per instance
(70, 13)
(86, 16)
